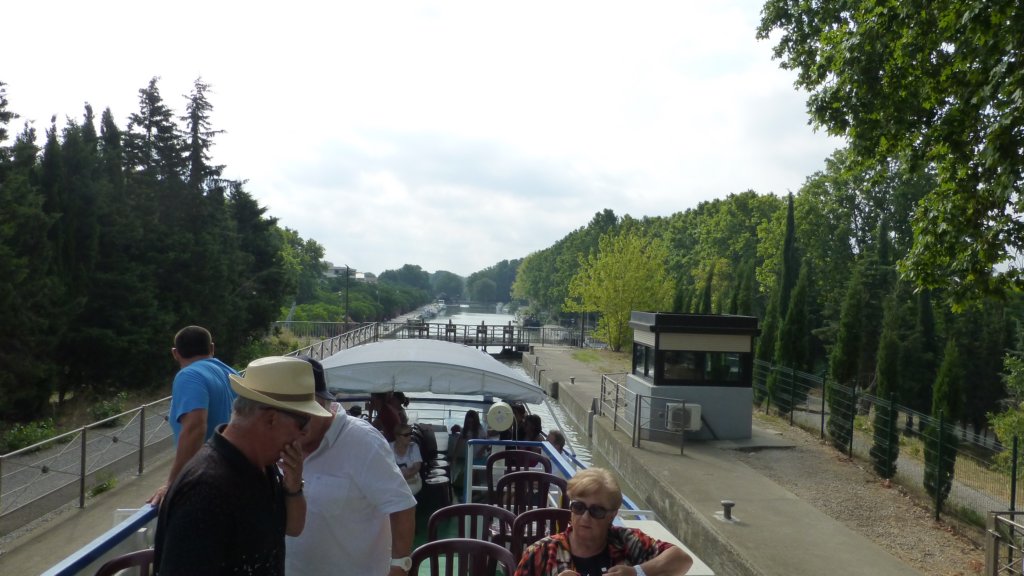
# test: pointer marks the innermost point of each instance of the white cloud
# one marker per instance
(451, 135)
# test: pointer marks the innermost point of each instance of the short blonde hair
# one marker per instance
(595, 482)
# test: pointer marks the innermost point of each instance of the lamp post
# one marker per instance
(347, 274)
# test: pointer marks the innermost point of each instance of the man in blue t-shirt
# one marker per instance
(201, 398)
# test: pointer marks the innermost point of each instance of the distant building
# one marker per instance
(333, 271)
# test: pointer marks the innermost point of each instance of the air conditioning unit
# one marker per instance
(679, 417)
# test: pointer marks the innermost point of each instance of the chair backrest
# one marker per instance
(533, 525)
(141, 558)
(462, 557)
(424, 436)
(480, 521)
(527, 490)
(514, 461)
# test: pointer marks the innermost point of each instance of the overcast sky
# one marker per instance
(451, 135)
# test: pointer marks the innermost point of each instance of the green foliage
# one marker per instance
(937, 83)
(939, 461)
(841, 414)
(21, 435)
(494, 283)
(451, 286)
(543, 277)
(940, 441)
(105, 485)
(885, 447)
(628, 273)
(108, 408)
(179, 245)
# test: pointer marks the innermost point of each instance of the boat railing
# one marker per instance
(134, 533)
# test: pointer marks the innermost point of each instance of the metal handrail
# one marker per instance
(37, 479)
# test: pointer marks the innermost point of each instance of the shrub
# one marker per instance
(22, 435)
(107, 408)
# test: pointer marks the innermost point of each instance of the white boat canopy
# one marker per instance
(421, 365)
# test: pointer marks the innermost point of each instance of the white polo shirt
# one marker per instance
(352, 487)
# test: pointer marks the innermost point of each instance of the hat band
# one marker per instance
(288, 397)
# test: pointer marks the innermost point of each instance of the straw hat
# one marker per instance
(280, 382)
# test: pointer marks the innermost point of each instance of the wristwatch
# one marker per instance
(403, 563)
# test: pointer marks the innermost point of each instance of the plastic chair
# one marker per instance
(479, 521)
(533, 525)
(143, 559)
(462, 557)
(522, 491)
(514, 461)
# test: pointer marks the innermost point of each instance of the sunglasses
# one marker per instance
(301, 420)
(596, 512)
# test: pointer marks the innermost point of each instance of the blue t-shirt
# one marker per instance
(203, 384)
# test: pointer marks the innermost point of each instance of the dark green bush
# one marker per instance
(22, 435)
(107, 408)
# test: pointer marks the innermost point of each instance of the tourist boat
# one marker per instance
(443, 380)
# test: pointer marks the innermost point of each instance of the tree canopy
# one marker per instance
(938, 84)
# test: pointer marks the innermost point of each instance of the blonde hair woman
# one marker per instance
(591, 545)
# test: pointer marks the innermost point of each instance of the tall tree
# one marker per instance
(199, 138)
(153, 143)
(886, 446)
(628, 273)
(939, 84)
(28, 294)
(940, 442)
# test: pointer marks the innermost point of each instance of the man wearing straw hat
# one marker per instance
(231, 506)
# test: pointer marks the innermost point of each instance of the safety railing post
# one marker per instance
(938, 468)
(890, 438)
(142, 439)
(81, 471)
(792, 394)
(636, 420)
(682, 434)
(824, 398)
(615, 410)
(853, 418)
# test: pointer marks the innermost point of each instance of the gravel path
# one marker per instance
(849, 492)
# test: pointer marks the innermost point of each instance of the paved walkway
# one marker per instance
(775, 533)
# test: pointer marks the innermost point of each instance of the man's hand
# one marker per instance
(291, 464)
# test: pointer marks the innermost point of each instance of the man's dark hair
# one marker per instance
(192, 341)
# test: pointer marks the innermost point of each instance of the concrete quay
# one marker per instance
(773, 533)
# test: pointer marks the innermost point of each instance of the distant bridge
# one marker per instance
(326, 338)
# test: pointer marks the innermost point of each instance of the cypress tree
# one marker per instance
(885, 447)
(793, 349)
(947, 400)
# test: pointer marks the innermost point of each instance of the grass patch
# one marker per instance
(605, 361)
(108, 484)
